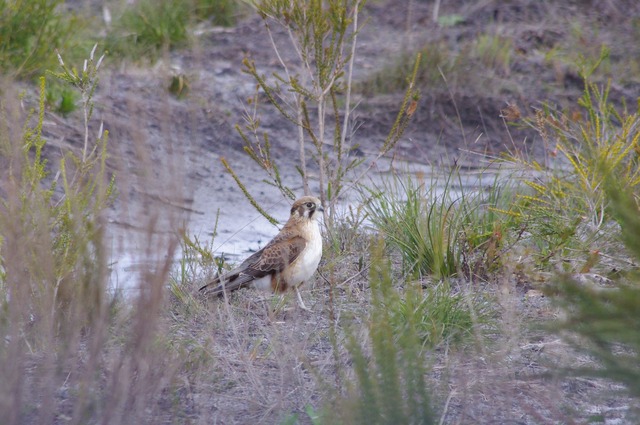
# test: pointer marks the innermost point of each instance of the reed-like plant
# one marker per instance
(390, 366)
(72, 349)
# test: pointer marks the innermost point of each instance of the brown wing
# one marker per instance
(276, 256)
(273, 258)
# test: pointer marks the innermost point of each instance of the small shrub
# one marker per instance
(179, 86)
(435, 59)
(443, 67)
(494, 52)
(61, 99)
(566, 209)
(30, 33)
(70, 348)
(487, 231)
(317, 103)
(218, 12)
(604, 322)
(147, 27)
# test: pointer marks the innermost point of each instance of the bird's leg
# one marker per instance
(300, 302)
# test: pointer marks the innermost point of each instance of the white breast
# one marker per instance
(307, 263)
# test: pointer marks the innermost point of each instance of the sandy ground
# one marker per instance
(165, 154)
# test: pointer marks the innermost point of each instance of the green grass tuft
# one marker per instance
(422, 221)
(148, 27)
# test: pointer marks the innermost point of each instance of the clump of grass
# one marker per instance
(147, 27)
(436, 58)
(454, 225)
(30, 33)
(217, 12)
(494, 52)
(441, 315)
(422, 221)
(196, 265)
(61, 99)
(444, 67)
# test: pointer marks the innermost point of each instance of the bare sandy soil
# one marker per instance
(165, 153)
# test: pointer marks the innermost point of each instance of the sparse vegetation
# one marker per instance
(147, 27)
(428, 306)
(71, 348)
(604, 322)
(389, 385)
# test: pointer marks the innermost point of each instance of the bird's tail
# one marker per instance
(219, 285)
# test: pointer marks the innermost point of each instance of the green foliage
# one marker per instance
(30, 33)
(447, 226)
(494, 52)
(439, 314)
(450, 20)
(218, 12)
(390, 385)
(314, 417)
(567, 207)
(85, 82)
(422, 221)
(61, 99)
(583, 48)
(148, 27)
(604, 322)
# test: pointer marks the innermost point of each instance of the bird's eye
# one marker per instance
(309, 204)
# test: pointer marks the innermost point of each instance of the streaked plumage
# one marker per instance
(286, 262)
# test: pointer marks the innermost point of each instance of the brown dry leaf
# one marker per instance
(511, 112)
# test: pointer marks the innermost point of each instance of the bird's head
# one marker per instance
(308, 207)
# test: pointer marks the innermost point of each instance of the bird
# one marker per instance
(286, 262)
